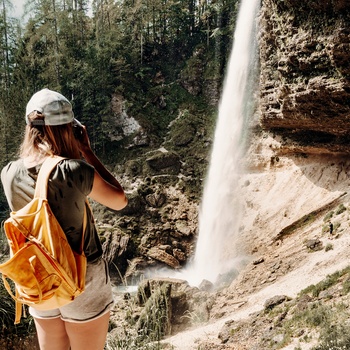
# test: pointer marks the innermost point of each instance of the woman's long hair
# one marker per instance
(44, 140)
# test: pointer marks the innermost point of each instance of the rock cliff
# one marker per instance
(305, 73)
(296, 182)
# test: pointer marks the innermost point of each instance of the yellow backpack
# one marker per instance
(47, 273)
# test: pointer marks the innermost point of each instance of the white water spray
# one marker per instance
(216, 250)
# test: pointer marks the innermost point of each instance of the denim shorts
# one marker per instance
(96, 300)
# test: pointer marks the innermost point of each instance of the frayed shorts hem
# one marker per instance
(70, 320)
(94, 302)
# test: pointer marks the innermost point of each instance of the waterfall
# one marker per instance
(217, 253)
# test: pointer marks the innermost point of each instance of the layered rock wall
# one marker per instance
(305, 73)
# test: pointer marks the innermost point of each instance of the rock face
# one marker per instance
(305, 73)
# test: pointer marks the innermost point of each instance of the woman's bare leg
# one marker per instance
(52, 334)
(90, 335)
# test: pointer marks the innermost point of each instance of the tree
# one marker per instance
(8, 106)
(5, 66)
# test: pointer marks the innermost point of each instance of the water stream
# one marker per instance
(218, 256)
(217, 253)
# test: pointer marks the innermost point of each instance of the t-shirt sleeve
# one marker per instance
(77, 172)
(6, 184)
(17, 186)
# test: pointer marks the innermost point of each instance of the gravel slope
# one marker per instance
(276, 196)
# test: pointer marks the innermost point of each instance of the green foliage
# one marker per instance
(334, 337)
(324, 318)
(341, 208)
(7, 309)
(154, 322)
(336, 225)
(329, 247)
(317, 314)
(89, 58)
(128, 344)
(328, 282)
(328, 216)
(135, 49)
(7, 317)
(146, 331)
(346, 285)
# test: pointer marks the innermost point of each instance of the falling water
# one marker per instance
(216, 251)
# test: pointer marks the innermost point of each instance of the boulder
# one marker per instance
(164, 161)
(274, 301)
(162, 256)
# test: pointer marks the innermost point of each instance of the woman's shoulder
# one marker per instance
(12, 167)
(14, 163)
(68, 164)
(74, 171)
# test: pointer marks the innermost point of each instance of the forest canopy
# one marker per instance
(90, 51)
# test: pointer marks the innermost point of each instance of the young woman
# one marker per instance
(50, 130)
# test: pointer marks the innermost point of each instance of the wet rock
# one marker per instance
(162, 256)
(206, 285)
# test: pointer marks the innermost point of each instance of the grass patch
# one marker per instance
(308, 318)
(334, 337)
(146, 322)
(329, 247)
(328, 282)
(328, 216)
(341, 208)
(12, 335)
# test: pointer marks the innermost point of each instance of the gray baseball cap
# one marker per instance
(56, 109)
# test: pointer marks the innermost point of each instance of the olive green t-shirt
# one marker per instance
(69, 185)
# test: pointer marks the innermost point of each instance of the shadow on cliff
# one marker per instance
(282, 191)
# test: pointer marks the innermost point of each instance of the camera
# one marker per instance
(78, 129)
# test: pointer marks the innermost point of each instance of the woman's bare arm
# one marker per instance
(106, 189)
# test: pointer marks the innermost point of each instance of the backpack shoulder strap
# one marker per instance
(43, 175)
(41, 186)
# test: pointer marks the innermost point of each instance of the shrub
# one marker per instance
(328, 216)
(14, 337)
(341, 208)
(334, 337)
(328, 247)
